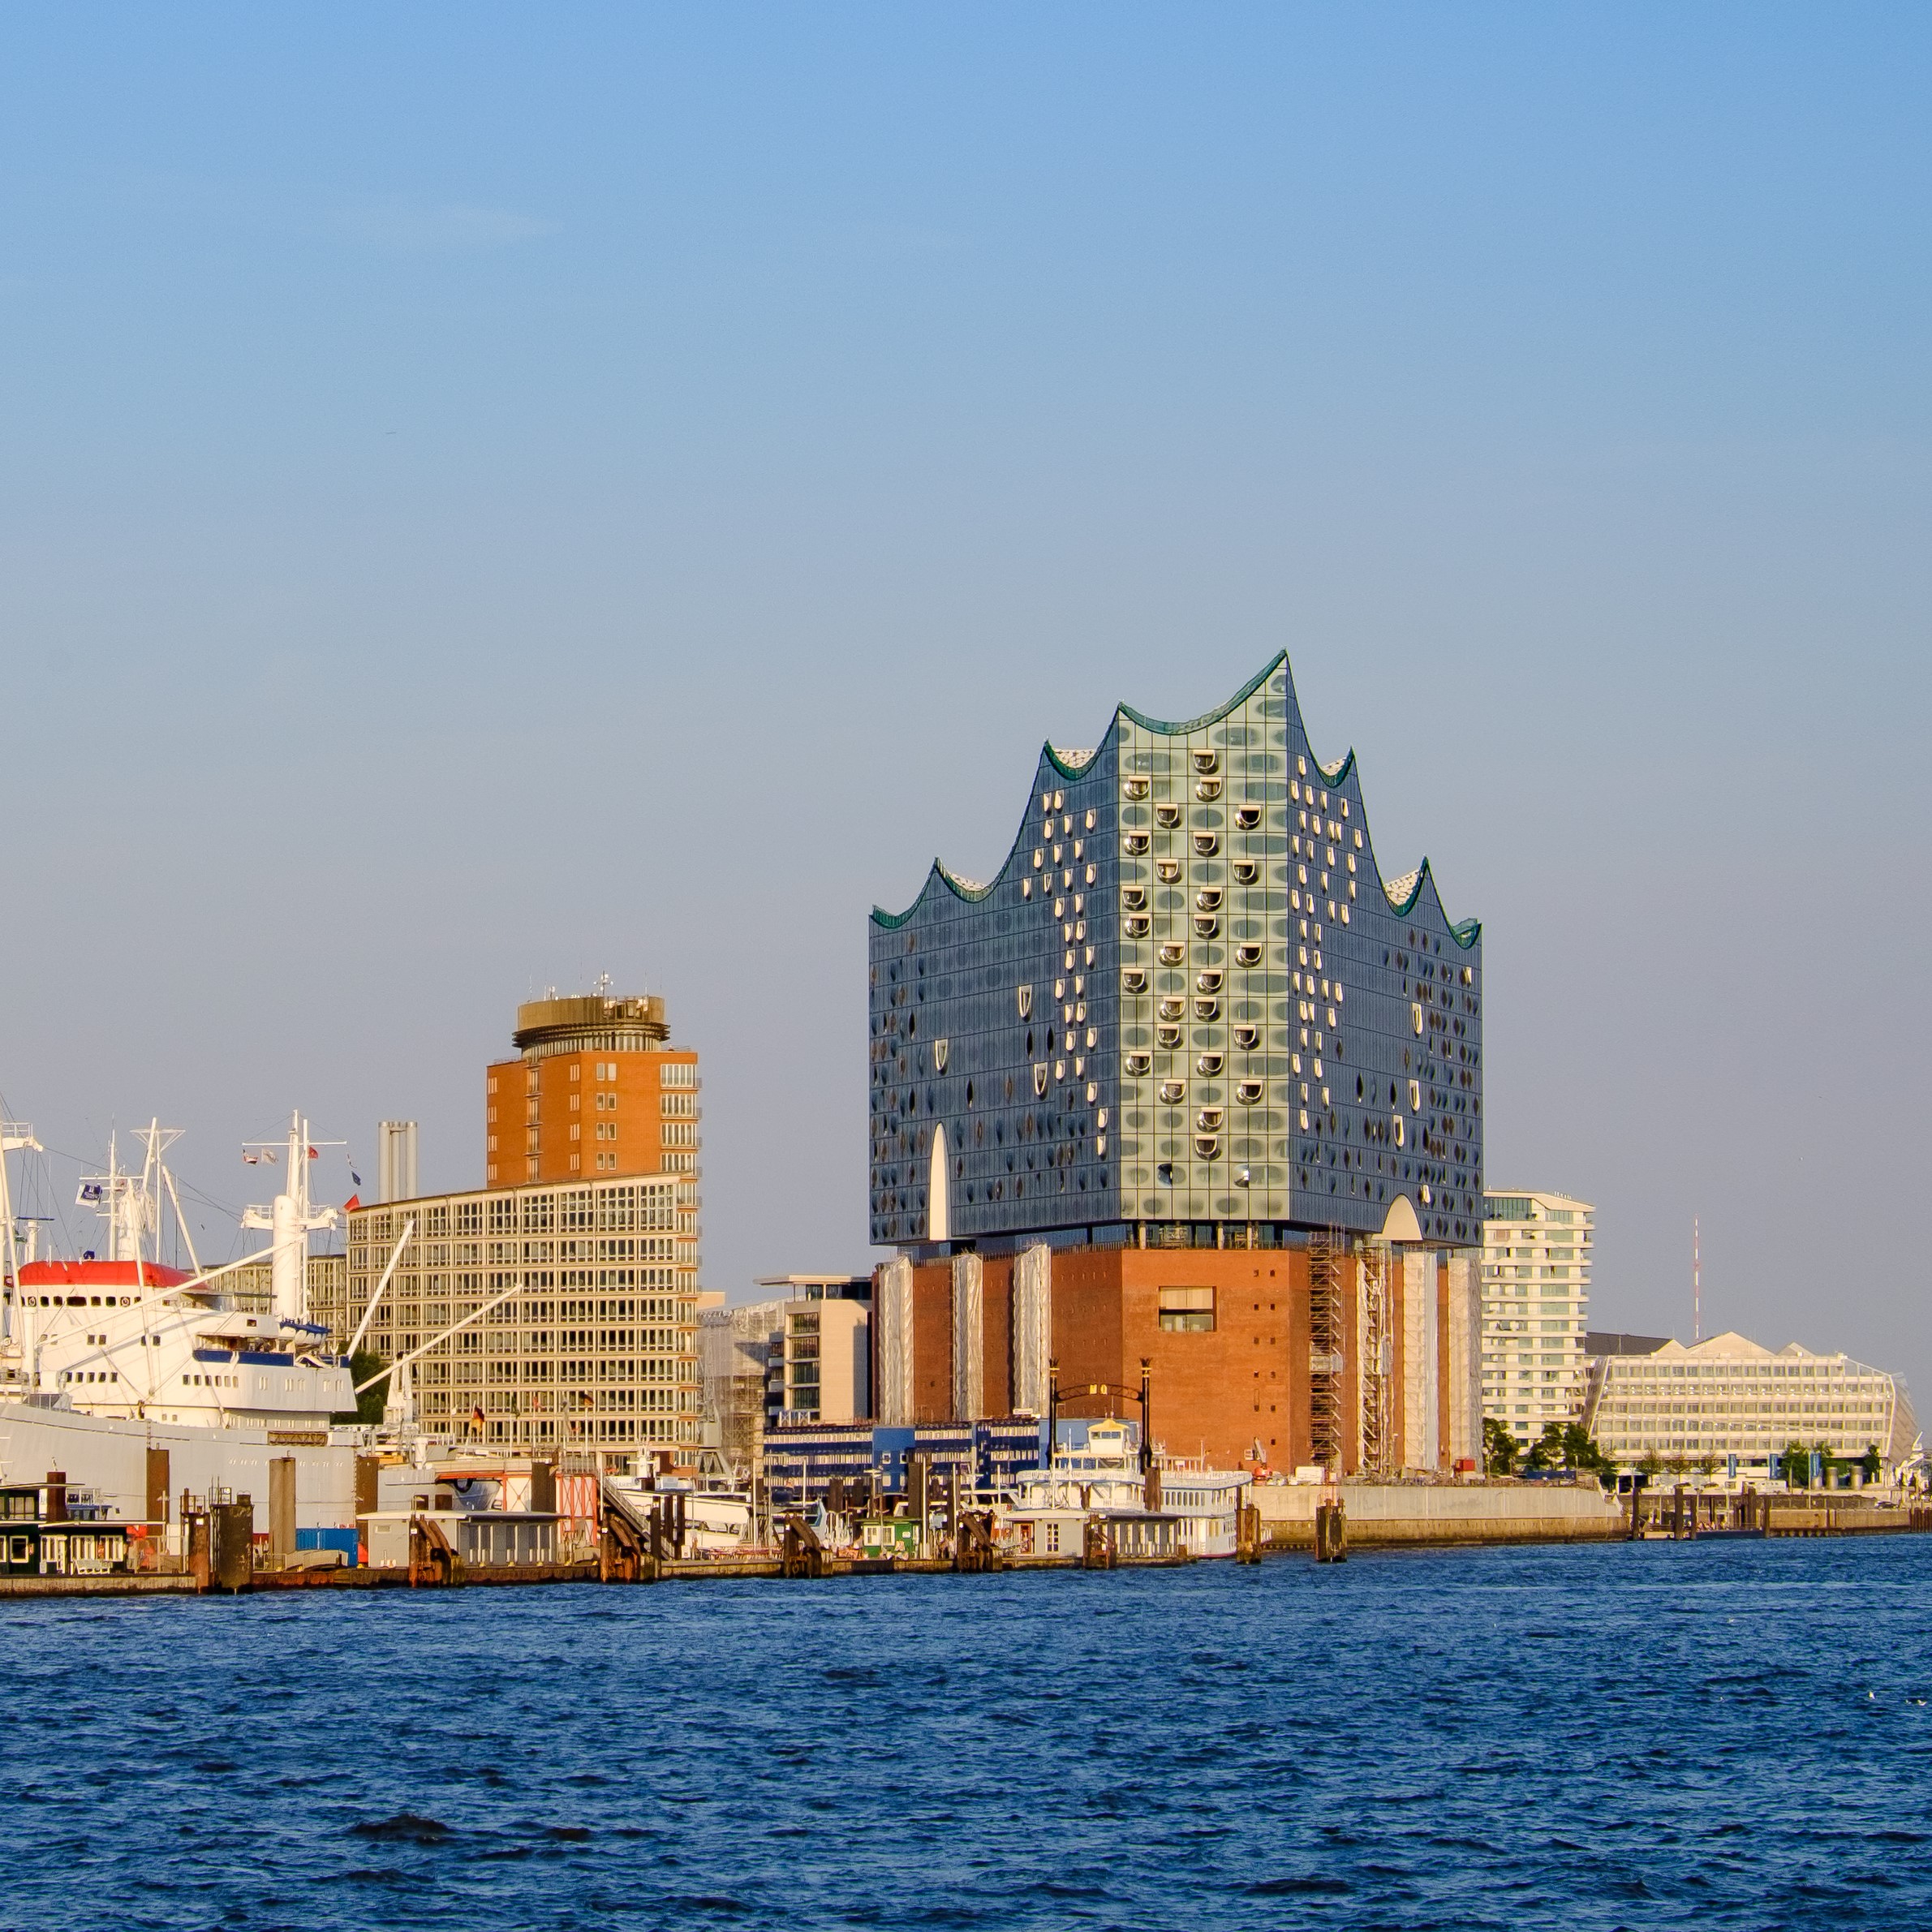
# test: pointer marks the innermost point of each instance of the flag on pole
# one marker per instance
(476, 1418)
(351, 1205)
(313, 1154)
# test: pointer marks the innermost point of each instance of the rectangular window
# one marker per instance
(1187, 1310)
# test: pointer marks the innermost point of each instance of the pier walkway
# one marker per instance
(1281, 1520)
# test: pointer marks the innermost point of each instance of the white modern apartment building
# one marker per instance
(1730, 1396)
(1535, 1309)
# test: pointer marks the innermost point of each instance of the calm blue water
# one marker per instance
(1628, 1736)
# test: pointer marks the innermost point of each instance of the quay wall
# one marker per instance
(113, 1585)
(1386, 1513)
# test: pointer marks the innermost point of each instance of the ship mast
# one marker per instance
(15, 1137)
(129, 1202)
(110, 1200)
(291, 1218)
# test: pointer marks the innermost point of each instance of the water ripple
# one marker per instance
(1707, 1736)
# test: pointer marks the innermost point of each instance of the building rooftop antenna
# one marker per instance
(1697, 1280)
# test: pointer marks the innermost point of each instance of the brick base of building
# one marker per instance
(1228, 1338)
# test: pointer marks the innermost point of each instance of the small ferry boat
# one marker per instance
(1155, 1505)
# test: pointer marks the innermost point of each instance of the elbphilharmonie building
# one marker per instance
(1189, 1010)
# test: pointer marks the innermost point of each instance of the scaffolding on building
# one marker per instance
(1376, 1353)
(1327, 1349)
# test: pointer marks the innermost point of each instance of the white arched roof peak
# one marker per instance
(1400, 1223)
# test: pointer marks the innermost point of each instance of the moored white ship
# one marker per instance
(715, 1517)
(126, 1336)
(151, 1383)
(1155, 1505)
(148, 1382)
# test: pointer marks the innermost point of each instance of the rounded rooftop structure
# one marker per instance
(590, 1023)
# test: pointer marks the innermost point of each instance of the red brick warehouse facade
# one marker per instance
(1228, 1334)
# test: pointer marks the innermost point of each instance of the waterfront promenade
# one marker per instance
(1591, 1737)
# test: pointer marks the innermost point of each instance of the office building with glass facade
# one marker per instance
(1188, 1089)
(1188, 1009)
(1730, 1404)
(538, 1318)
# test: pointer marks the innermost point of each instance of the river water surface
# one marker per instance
(1707, 1735)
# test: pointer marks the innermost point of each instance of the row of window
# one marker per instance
(538, 1281)
(1741, 1372)
(641, 1203)
(505, 1258)
(678, 1073)
(74, 1301)
(114, 1377)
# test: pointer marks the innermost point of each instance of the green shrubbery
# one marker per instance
(1561, 1446)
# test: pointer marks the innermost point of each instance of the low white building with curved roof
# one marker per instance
(1730, 1396)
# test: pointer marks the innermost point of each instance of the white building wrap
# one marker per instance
(1420, 1416)
(1032, 1326)
(895, 1342)
(968, 1331)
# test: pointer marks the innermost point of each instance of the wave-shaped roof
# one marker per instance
(1404, 893)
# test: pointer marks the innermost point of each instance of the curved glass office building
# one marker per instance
(1189, 1010)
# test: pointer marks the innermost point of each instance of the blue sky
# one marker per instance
(496, 496)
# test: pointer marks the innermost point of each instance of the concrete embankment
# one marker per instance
(111, 1586)
(1776, 1516)
(1837, 1518)
(1381, 1513)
